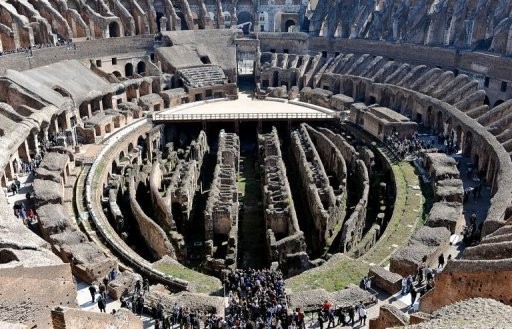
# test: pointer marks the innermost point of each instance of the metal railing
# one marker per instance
(243, 116)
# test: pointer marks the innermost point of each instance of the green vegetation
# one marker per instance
(199, 282)
(408, 208)
(336, 274)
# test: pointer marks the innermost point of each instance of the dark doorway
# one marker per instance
(114, 30)
(128, 70)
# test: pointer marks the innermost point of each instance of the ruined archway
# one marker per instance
(468, 143)
(498, 102)
(114, 30)
(290, 26)
(243, 18)
(439, 122)
(141, 68)
(128, 70)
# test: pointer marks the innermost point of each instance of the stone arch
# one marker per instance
(130, 147)
(430, 117)
(114, 30)
(145, 88)
(348, 87)
(459, 135)
(183, 20)
(113, 168)
(141, 68)
(439, 122)
(476, 162)
(128, 70)
(244, 17)
(117, 74)
(121, 156)
(498, 102)
(468, 143)
(15, 166)
(290, 25)
(448, 126)
(486, 101)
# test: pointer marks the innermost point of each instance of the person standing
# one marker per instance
(414, 293)
(92, 290)
(441, 261)
(351, 315)
(362, 314)
(102, 304)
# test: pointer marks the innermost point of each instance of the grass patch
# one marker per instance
(336, 274)
(199, 282)
(408, 209)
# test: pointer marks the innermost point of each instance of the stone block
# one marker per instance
(385, 280)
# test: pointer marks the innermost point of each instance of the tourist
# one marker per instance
(404, 285)
(414, 293)
(440, 260)
(102, 304)
(351, 314)
(362, 314)
(92, 290)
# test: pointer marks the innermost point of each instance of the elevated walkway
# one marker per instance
(245, 109)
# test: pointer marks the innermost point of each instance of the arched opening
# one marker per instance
(183, 21)
(141, 143)
(121, 156)
(468, 143)
(117, 74)
(114, 30)
(498, 102)
(486, 100)
(158, 16)
(430, 117)
(128, 70)
(289, 26)
(245, 17)
(458, 132)
(275, 79)
(439, 122)
(130, 147)
(141, 68)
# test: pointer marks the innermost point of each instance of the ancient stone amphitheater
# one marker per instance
(179, 141)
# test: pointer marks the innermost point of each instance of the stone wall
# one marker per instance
(424, 246)
(84, 50)
(319, 194)
(353, 227)
(154, 236)
(335, 165)
(63, 317)
(280, 216)
(389, 316)
(221, 213)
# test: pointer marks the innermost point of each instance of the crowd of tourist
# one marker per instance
(423, 281)
(28, 50)
(403, 147)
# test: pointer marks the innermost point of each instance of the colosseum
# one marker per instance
(269, 164)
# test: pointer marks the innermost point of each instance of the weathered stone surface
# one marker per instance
(389, 316)
(385, 280)
(87, 261)
(64, 317)
(53, 219)
(427, 242)
(445, 214)
(195, 302)
(312, 300)
(472, 314)
(123, 283)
